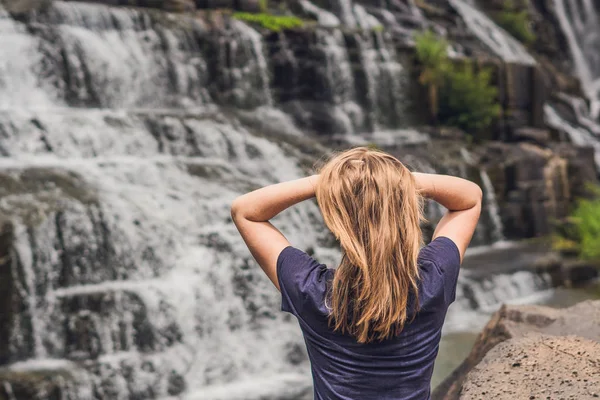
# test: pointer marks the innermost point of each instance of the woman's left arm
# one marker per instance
(252, 211)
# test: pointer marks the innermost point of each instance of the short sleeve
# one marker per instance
(444, 254)
(301, 279)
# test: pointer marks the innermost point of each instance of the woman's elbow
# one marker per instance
(236, 208)
(477, 194)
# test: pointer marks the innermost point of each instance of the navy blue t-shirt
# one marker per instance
(398, 368)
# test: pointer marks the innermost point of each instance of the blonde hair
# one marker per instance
(369, 201)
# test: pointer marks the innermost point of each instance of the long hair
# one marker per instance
(369, 201)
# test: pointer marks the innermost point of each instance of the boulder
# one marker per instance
(20, 7)
(517, 322)
(532, 184)
(533, 135)
(537, 366)
(35, 384)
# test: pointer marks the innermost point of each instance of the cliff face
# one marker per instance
(126, 131)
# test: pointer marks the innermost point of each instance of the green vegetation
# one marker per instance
(468, 99)
(432, 53)
(457, 94)
(581, 232)
(516, 22)
(275, 23)
(263, 6)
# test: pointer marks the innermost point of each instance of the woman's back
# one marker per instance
(395, 368)
(378, 335)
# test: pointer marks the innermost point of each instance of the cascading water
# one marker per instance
(496, 39)
(578, 134)
(494, 235)
(579, 22)
(118, 168)
(121, 221)
(492, 207)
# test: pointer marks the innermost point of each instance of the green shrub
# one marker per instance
(468, 100)
(516, 22)
(432, 53)
(457, 95)
(273, 23)
(581, 232)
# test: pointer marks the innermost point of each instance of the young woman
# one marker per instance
(372, 326)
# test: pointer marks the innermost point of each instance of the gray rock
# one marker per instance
(537, 366)
(18, 7)
(516, 322)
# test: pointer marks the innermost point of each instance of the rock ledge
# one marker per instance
(546, 336)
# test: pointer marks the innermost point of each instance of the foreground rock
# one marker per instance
(537, 366)
(528, 325)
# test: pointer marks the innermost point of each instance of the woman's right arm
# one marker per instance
(461, 197)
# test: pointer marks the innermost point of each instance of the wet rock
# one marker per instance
(532, 185)
(533, 135)
(580, 167)
(35, 384)
(202, 4)
(577, 272)
(515, 322)
(247, 5)
(537, 366)
(167, 5)
(20, 7)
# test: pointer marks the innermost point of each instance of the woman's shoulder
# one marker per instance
(441, 251)
(303, 280)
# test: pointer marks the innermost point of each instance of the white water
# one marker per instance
(261, 63)
(492, 206)
(582, 30)
(347, 15)
(476, 299)
(341, 80)
(177, 270)
(18, 61)
(324, 17)
(496, 38)
(577, 133)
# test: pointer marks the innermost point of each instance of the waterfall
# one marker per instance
(125, 253)
(118, 168)
(340, 79)
(477, 297)
(492, 206)
(347, 16)
(324, 18)
(496, 234)
(496, 39)
(578, 135)
(261, 63)
(579, 22)
(18, 62)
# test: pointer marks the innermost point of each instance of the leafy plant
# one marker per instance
(274, 23)
(468, 100)
(432, 53)
(457, 94)
(516, 22)
(581, 232)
